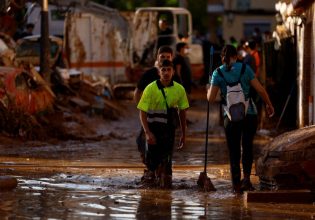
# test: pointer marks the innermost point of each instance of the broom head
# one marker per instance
(205, 182)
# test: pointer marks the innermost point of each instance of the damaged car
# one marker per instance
(28, 50)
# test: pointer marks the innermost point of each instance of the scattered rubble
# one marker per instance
(32, 108)
(287, 162)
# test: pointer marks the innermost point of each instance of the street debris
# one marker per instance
(32, 108)
(287, 162)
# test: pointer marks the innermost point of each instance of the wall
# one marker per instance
(238, 15)
(313, 63)
(309, 63)
(235, 27)
(254, 4)
(306, 79)
(265, 4)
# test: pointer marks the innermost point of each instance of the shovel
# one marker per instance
(203, 180)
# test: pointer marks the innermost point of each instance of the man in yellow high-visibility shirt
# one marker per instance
(160, 100)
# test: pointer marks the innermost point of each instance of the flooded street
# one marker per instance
(100, 179)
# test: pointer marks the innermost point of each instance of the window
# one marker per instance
(249, 28)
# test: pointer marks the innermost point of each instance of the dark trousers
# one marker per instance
(141, 142)
(240, 134)
(162, 152)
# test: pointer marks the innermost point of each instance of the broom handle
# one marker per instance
(207, 129)
(285, 106)
(208, 109)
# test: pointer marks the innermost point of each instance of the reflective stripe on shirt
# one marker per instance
(157, 116)
(156, 119)
(163, 111)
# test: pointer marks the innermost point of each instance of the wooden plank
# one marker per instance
(79, 102)
(113, 105)
(280, 196)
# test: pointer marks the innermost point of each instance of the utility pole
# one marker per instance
(44, 43)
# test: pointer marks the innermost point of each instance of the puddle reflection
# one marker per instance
(155, 204)
(140, 204)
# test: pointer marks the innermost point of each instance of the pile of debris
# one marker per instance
(287, 162)
(32, 108)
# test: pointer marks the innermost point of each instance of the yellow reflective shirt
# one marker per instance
(153, 103)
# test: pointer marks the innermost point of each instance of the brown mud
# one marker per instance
(99, 177)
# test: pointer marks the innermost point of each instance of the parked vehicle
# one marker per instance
(7, 48)
(146, 38)
(28, 50)
(109, 44)
(99, 40)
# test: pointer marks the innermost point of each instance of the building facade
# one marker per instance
(240, 18)
(288, 21)
(297, 21)
(303, 18)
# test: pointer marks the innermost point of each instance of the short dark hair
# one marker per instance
(30, 25)
(165, 49)
(166, 63)
(180, 45)
(252, 44)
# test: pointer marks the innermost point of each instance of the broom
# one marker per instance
(203, 180)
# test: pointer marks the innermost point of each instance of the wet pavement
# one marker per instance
(100, 179)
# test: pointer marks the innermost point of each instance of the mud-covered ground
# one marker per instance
(98, 178)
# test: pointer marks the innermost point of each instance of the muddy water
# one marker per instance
(66, 196)
(80, 187)
(100, 180)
